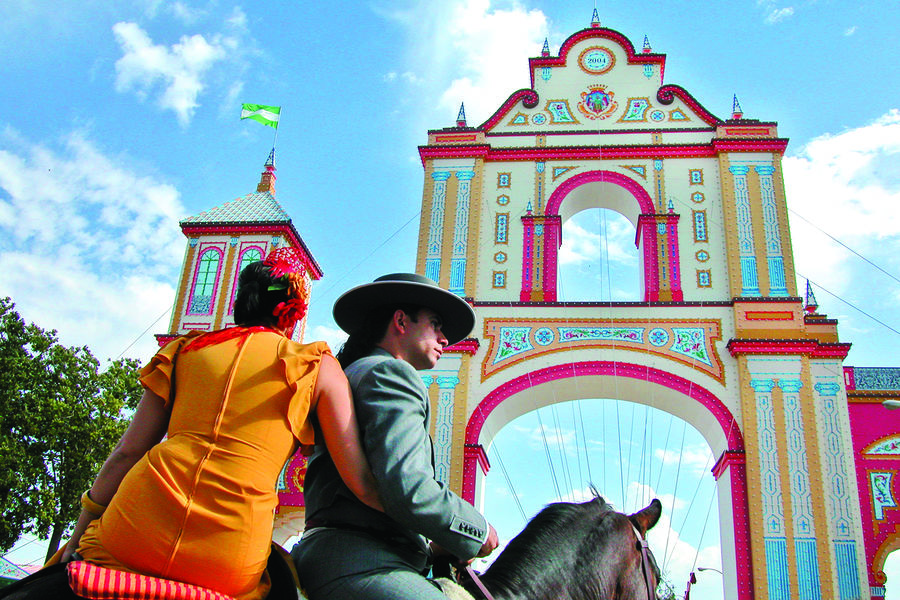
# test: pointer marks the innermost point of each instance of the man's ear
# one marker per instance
(399, 321)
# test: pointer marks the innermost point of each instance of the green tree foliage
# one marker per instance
(60, 417)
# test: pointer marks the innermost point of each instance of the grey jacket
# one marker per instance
(393, 412)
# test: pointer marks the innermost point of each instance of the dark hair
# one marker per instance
(254, 303)
(362, 341)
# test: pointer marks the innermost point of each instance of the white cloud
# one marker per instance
(850, 31)
(470, 52)
(237, 19)
(184, 13)
(87, 245)
(697, 459)
(584, 239)
(175, 74)
(406, 76)
(847, 185)
(554, 437)
(779, 14)
(333, 336)
(774, 14)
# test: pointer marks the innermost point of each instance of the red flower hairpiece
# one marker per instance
(288, 268)
(285, 260)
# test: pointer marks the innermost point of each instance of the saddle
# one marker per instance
(81, 579)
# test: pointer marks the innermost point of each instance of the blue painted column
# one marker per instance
(774, 257)
(461, 233)
(774, 538)
(800, 493)
(749, 276)
(436, 225)
(840, 496)
(443, 428)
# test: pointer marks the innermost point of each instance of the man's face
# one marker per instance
(423, 341)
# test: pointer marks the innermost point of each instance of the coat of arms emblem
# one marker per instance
(597, 102)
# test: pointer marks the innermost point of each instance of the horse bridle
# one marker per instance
(646, 565)
(478, 583)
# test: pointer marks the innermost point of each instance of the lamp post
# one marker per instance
(891, 404)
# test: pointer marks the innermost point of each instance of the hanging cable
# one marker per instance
(675, 492)
(577, 447)
(813, 225)
(703, 531)
(563, 459)
(547, 452)
(512, 489)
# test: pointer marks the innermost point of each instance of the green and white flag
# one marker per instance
(267, 115)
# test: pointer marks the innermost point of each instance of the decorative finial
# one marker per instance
(595, 18)
(647, 47)
(528, 208)
(811, 304)
(736, 111)
(461, 117)
(670, 205)
(267, 181)
(545, 51)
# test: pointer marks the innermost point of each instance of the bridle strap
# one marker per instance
(645, 562)
(477, 580)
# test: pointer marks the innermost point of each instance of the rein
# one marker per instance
(477, 580)
(645, 562)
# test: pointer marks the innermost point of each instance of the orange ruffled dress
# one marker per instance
(199, 506)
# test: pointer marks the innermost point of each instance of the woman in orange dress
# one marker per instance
(234, 405)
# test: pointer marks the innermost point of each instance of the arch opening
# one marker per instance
(625, 450)
(656, 234)
(598, 260)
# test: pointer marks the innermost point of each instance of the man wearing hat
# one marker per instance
(398, 324)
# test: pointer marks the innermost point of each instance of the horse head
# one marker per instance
(577, 551)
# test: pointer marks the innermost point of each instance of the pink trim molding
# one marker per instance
(547, 153)
(286, 229)
(467, 346)
(667, 94)
(812, 348)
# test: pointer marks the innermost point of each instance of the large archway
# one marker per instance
(636, 383)
(627, 452)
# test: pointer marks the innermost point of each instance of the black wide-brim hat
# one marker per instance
(353, 307)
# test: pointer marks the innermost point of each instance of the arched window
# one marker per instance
(249, 255)
(205, 282)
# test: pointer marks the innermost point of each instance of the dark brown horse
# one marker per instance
(570, 551)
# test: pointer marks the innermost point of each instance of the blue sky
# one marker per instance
(121, 118)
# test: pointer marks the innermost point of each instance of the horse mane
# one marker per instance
(562, 538)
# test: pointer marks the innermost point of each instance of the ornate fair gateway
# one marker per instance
(807, 460)
(807, 456)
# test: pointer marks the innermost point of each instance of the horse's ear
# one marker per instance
(645, 519)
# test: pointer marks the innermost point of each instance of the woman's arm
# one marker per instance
(145, 431)
(337, 419)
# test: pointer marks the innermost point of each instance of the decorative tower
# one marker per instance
(221, 242)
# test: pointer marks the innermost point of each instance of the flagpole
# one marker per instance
(275, 141)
